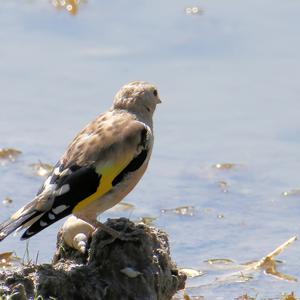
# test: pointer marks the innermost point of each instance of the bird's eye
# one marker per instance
(155, 93)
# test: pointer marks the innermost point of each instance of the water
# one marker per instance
(228, 79)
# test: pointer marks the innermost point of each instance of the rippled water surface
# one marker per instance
(228, 75)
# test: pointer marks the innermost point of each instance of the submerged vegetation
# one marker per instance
(9, 154)
(70, 6)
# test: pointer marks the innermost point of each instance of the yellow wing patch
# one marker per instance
(108, 173)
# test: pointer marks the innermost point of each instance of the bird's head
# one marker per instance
(137, 96)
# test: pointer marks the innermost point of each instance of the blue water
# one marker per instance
(229, 82)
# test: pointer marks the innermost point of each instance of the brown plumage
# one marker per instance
(99, 168)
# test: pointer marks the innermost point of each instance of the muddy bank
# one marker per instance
(137, 267)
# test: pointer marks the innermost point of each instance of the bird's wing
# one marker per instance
(97, 160)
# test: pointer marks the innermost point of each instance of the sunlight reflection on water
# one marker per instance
(228, 79)
(71, 6)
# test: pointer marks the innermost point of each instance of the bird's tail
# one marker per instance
(17, 220)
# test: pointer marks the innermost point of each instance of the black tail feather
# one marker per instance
(10, 225)
(46, 220)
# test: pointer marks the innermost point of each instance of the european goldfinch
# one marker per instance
(99, 168)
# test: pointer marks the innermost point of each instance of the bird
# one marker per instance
(102, 164)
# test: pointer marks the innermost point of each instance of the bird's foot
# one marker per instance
(114, 233)
(121, 235)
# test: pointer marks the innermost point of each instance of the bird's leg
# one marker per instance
(114, 233)
(121, 235)
(92, 220)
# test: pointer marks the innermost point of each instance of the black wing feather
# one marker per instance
(83, 182)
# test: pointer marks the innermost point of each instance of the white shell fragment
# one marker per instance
(76, 233)
(79, 242)
(130, 272)
(191, 272)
